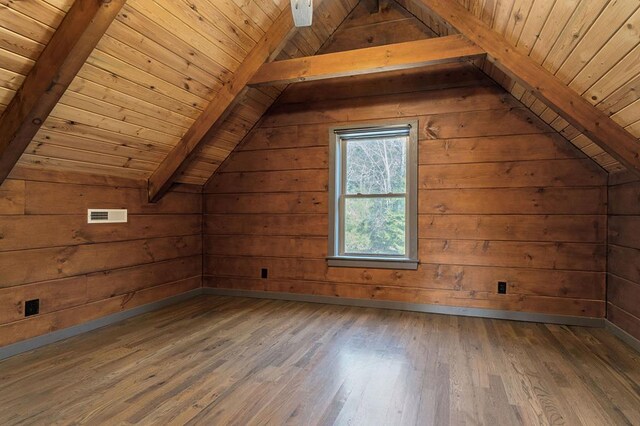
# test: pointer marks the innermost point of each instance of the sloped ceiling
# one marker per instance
(593, 46)
(159, 64)
(162, 61)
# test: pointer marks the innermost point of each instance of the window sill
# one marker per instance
(370, 262)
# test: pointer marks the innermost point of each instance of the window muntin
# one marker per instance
(373, 195)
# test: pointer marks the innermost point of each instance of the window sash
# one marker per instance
(342, 139)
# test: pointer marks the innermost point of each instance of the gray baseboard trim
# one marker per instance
(622, 335)
(65, 333)
(46, 339)
(416, 307)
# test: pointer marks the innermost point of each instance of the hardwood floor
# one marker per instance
(222, 360)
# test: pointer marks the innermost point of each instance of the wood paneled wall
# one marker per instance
(623, 285)
(362, 28)
(502, 197)
(82, 271)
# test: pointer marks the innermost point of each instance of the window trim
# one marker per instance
(335, 169)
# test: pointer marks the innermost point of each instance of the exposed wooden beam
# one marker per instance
(399, 56)
(595, 124)
(71, 44)
(268, 47)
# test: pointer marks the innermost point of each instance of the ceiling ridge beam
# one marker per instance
(567, 103)
(232, 92)
(56, 67)
(369, 60)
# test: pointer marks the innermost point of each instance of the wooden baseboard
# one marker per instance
(416, 307)
(622, 335)
(55, 336)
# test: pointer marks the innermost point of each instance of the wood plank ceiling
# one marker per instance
(157, 67)
(162, 61)
(593, 46)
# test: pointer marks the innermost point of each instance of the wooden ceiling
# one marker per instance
(156, 68)
(593, 46)
(162, 62)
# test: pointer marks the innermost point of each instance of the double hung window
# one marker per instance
(373, 196)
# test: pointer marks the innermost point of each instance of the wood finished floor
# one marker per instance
(218, 360)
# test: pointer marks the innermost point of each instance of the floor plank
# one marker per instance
(224, 360)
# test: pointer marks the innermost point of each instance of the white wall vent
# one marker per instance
(106, 216)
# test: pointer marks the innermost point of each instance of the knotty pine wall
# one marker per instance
(81, 272)
(502, 198)
(623, 287)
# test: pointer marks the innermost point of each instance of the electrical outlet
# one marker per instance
(264, 273)
(31, 307)
(502, 287)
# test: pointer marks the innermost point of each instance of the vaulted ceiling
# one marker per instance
(154, 71)
(593, 46)
(162, 62)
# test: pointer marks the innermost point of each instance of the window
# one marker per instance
(373, 196)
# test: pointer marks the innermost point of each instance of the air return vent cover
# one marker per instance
(106, 216)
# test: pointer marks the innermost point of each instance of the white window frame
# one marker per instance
(337, 155)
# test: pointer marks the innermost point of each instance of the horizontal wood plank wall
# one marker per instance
(623, 278)
(502, 197)
(82, 271)
(362, 28)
